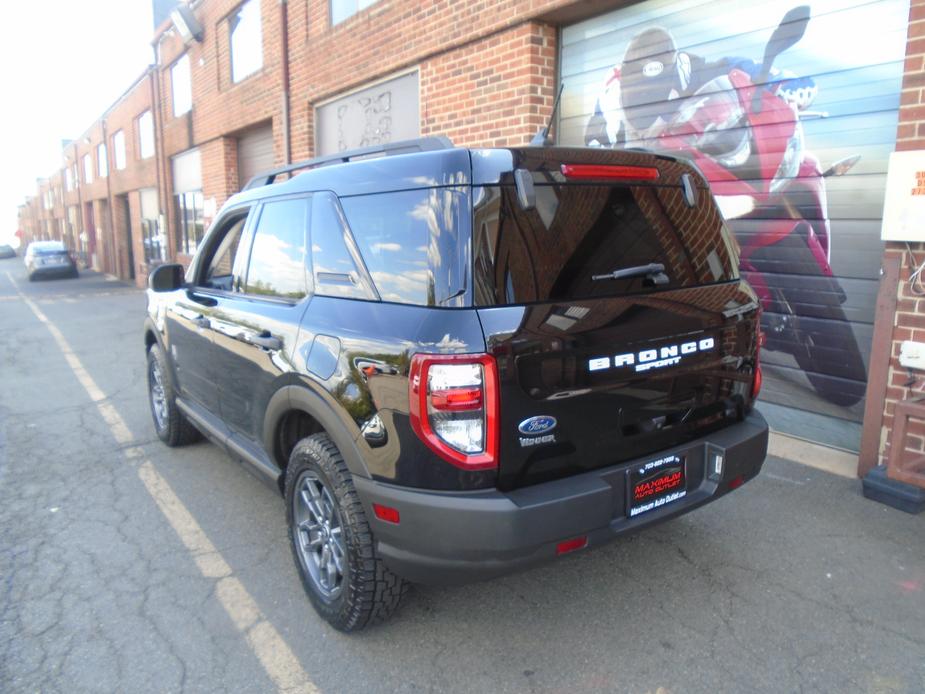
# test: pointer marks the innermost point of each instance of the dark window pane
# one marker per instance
(576, 233)
(220, 271)
(277, 264)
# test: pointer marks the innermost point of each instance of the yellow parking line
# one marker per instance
(274, 654)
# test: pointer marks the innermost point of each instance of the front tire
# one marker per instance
(171, 425)
(331, 541)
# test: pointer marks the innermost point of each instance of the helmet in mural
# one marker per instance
(651, 73)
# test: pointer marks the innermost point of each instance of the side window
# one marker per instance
(220, 271)
(335, 268)
(277, 263)
(410, 242)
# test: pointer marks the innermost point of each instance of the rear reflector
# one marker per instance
(576, 543)
(457, 399)
(386, 513)
(583, 172)
(756, 383)
(736, 482)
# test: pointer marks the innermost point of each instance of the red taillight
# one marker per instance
(386, 513)
(583, 172)
(572, 545)
(756, 382)
(756, 378)
(453, 407)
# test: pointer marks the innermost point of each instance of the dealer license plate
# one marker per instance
(656, 483)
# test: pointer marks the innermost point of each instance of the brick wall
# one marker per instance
(494, 92)
(909, 321)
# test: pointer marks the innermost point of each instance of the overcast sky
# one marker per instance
(62, 63)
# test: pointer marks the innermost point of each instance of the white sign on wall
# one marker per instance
(383, 113)
(904, 206)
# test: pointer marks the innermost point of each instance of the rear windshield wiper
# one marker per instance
(654, 272)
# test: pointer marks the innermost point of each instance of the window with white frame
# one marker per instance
(102, 161)
(118, 150)
(181, 86)
(246, 41)
(344, 9)
(68, 179)
(146, 135)
(88, 169)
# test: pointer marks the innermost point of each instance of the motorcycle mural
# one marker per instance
(741, 122)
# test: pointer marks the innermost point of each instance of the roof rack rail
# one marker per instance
(421, 144)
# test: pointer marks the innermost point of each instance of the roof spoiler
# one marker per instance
(422, 144)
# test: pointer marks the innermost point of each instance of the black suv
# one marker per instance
(458, 363)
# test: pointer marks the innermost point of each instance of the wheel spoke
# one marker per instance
(337, 554)
(321, 542)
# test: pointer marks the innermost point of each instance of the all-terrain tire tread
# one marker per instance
(374, 593)
(179, 431)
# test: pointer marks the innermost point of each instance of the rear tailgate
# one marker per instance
(597, 371)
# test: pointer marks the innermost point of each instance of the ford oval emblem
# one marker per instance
(537, 425)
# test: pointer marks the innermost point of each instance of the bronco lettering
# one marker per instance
(669, 355)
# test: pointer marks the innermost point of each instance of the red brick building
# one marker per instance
(237, 87)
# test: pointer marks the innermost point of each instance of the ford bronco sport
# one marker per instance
(459, 363)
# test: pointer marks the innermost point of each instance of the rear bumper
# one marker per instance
(459, 537)
(52, 270)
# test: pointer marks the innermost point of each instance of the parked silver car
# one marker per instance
(49, 258)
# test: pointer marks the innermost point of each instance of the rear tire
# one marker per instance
(331, 541)
(842, 382)
(171, 425)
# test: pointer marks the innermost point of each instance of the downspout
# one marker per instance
(284, 31)
(163, 198)
(111, 222)
(154, 83)
(80, 210)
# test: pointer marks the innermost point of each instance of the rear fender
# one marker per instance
(290, 398)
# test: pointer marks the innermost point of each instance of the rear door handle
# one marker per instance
(264, 340)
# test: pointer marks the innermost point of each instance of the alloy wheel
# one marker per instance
(319, 535)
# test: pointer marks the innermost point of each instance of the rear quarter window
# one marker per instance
(412, 243)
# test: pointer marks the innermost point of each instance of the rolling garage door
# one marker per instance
(679, 75)
(255, 152)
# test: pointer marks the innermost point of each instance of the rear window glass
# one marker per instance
(410, 242)
(577, 232)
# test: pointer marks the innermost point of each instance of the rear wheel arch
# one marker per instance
(295, 412)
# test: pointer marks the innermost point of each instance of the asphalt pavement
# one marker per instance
(108, 543)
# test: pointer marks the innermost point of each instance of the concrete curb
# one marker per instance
(834, 460)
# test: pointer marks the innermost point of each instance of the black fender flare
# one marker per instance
(293, 397)
(151, 327)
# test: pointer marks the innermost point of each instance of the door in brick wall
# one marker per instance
(255, 152)
(681, 77)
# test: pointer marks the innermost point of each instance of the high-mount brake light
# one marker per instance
(454, 409)
(586, 172)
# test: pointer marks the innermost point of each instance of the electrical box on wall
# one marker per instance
(912, 355)
(904, 207)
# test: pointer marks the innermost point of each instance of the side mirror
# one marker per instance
(789, 32)
(167, 278)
